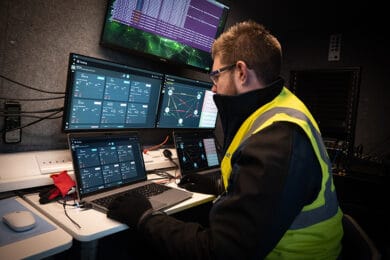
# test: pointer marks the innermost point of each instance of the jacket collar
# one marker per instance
(233, 110)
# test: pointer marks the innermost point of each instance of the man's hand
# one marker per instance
(203, 183)
(128, 209)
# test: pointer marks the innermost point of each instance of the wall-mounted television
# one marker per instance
(173, 31)
(103, 95)
(186, 103)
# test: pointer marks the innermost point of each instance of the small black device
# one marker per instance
(12, 131)
(168, 154)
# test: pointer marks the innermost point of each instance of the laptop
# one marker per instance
(111, 163)
(197, 152)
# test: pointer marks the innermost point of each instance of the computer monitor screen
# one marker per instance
(102, 95)
(197, 151)
(175, 31)
(186, 103)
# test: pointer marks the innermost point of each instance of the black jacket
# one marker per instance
(275, 173)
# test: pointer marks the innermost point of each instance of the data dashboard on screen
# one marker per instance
(186, 103)
(103, 95)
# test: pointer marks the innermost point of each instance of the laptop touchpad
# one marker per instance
(157, 204)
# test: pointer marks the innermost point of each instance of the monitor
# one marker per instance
(186, 103)
(103, 95)
(174, 31)
(197, 151)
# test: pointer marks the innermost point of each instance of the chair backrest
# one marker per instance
(357, 245)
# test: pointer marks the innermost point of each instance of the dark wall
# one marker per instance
(304, 29)
(37, 36)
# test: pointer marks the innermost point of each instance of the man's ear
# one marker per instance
(246, 79)
(242, 70)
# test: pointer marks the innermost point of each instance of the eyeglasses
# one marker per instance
(214, 75)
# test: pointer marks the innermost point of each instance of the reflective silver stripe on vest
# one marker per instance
(330, 208)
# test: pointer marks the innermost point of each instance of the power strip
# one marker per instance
(32, 169)
(156, 159)
(50, 162)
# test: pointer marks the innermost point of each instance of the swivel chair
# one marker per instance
(357, 245)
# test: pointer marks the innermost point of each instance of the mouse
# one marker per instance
(19, 221)
(186, 183)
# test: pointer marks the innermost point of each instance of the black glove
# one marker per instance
(128, 209)
(202, 183)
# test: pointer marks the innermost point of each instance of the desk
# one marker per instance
(95, 224)
(39, 246)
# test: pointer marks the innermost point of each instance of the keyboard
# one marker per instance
(147, 190)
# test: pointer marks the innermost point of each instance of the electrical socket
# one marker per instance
(334, 47)
(54, 161)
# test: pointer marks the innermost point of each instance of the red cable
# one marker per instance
(146, 150)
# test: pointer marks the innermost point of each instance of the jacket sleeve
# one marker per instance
(274, 174)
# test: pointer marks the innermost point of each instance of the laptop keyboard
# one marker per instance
(147, 190)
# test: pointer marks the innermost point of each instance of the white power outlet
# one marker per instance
(334, 47)
(54, 161)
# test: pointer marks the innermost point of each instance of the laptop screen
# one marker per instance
(104, 161)
(196, 151)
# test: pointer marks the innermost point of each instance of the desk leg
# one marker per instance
(88, 250)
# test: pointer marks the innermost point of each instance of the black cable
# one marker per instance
(66, 214)
(34, 122)
(30, 99)
(33, 112)
(25, 86)
(165, 174)
(32, 116)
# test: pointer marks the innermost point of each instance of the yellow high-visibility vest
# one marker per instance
(317, 231)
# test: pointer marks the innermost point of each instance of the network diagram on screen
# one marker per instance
(186, 103)
(182, 106)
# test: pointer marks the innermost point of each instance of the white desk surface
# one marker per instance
(39, 246)
(95, 224)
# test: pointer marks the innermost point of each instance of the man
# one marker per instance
(280, 201)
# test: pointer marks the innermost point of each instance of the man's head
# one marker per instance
(248, 55)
